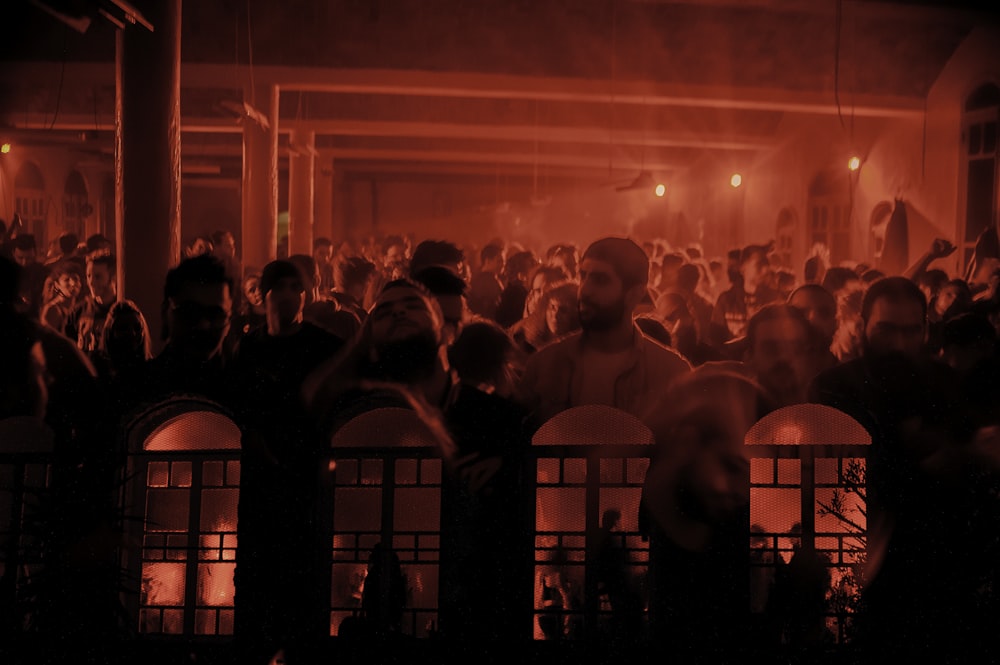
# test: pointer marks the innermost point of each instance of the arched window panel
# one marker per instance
(590, 464)
(807, 491)
(386, 505)
(184, 482)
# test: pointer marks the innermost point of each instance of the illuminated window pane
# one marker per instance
(173, 622)
(422, 580)
(406, 472)
(761, 471)
(548, 471)
(788, 472)
(626, 502)
(357, 509)
(157, 474)
(612, 470)
(233, 473)
(163, 584)
(826, 471)
(575, 471)
(775, 509)
(166, 510)
(219, 509)
(636, 470)
(204, 622)
(560, 509)
(371, 472)
(180, 474)
(348, 582)
(211, 474)
(225, 622)
(430, 472)
(215, 584)
(418, 510)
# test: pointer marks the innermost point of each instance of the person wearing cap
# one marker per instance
(748, 294)
(610, 361)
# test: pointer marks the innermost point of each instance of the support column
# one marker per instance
(324, 199)
(148, 157)
(338, 224)
(301, 187)
(260, 179)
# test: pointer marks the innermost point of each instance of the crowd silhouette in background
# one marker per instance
(486, 343)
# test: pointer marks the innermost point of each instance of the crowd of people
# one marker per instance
(697, 348)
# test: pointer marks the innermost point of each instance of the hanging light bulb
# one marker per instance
(5, 148)
(736, 180)
(854, 163)
(660, 190)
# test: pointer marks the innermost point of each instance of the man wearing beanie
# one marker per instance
(610, 361)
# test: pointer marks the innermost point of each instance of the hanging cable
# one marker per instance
(62, 77)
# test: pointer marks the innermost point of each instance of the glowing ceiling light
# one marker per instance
(5, 148)
(736, 180)
(661, 190)
(854, 163)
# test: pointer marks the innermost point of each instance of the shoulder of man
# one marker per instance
(662, 357)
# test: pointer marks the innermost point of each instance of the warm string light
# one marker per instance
(736, 180)
(854, 163)
(5, 148)
(661, 190)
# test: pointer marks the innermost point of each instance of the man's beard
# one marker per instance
(600, 318)
(407, 360)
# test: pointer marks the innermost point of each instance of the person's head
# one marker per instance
(284, 294)
(700, 470)
(437, 253)
(967, 341)
(98, 244)
(25, 250)
(561, 312)
(820, 309)
(394, 254)
(841, 281)
(519, 267)
(754, 267)
(68, 243)
(541, 279)
(125, 337)
(66, 279)
(670, 265)
(613, 275)
(403, 331)
(931, 281)
(688, 276)
(484, 355)
(198, 304)
(449, 291)
(952, 299)
(101, 276)
(310, 275)
(200, 245)
(353, 275)
(894, 314)
(779, 348)
(564, 257)
(223, 244)
(322, 250)
(491, 259)
(251, 290)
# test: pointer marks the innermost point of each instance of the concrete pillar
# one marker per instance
(260, 179)
(324, 200)
(301, 187)
(148, 157)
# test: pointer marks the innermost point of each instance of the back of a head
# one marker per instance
(627, 259)
(25, 243)
(203, 269)
(321, 242)
(97, 242)
(10, 283)
(440, 281)
(490, 253)
(352, 271)
(307, 266)
(893, 289)
(688, 276)
(837, 278)
(435, 253)
(968, 330)
(932, 279)
(68, 243)
(480, 353)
